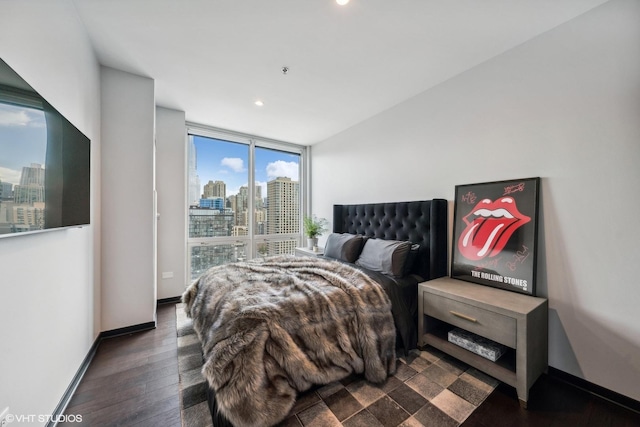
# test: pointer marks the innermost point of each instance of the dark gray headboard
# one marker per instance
(423, 222)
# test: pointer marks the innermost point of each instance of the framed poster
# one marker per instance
(495, 233)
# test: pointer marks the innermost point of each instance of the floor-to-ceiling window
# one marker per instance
(244, 198)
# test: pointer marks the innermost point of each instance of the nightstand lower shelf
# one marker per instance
(503, 370)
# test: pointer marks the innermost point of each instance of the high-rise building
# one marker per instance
(6, 216)
(215, 189)
(240, 230)
(242, 204)
(220, 189)
(28, 194)
(207, 191)
(283, 212)
(260, 224)
(206, 256)
(212, 203)
(258, 196)
(28, 218)
(32, 175)
(6, 191)
(260, 211)
(31, 187)
(231, 204)
(210, 223)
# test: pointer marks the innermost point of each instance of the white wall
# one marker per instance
(49, 282)
(564, 106)
(128, 211)
(171, 186)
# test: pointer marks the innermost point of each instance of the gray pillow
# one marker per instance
(386, 256)
(345, 247)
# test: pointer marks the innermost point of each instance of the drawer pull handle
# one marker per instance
(463, 316)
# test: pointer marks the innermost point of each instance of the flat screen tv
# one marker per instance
(44, 163)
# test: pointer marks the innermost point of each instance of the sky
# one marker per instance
(219, 160)
(23, 140)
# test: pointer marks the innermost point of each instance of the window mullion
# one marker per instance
(252, 198)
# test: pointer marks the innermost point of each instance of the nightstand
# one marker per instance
(308, 252)
(515, 320)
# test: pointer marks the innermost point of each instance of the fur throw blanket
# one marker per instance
(275, 326)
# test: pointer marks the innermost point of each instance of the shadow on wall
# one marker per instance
(616, 366)
(562, 346)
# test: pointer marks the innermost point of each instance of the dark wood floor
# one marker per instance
(552, 402)
(133, 381)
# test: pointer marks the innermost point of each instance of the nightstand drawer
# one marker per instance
(486, 323)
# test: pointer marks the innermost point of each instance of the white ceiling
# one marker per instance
(214, 58)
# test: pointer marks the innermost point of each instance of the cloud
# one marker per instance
(10, 175)
(234, 163)
(21, 117)
(13, 118)
(284, 169)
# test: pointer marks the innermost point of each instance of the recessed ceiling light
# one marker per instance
(342, 2)
(259, 103)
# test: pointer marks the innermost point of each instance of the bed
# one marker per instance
(274, 327)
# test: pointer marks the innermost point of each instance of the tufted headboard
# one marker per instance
(422, 222)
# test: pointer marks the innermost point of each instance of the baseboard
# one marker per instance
(128, 330)
(58, 413)
(172, 300)
(592, 388)
(68, 394)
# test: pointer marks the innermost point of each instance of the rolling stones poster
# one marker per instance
(495, 233)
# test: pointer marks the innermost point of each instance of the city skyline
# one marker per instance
(23, 140)
(220, 160)
(22, 208)
(212, 160)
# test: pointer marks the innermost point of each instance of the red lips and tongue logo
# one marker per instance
(489, 228)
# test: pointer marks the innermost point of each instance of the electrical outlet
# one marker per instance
(3, 417)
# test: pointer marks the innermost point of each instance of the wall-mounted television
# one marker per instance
(44, 163)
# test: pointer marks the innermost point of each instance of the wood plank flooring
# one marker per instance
(552, 403)
(133, 381)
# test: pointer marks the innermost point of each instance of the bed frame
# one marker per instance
(422, 222)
